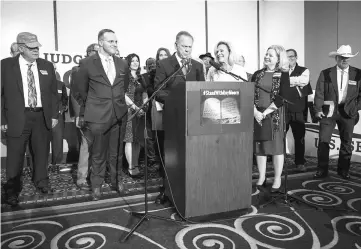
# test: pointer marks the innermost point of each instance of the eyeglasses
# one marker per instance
(291, 56)
(112, 41)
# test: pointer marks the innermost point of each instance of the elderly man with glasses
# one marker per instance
(29, 110)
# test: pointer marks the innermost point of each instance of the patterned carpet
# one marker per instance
(274, 226)
(63, 181)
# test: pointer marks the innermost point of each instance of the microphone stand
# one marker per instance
(146, 215)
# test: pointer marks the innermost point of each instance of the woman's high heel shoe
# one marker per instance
(134, 172)
(263, 186)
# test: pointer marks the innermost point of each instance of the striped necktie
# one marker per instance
(32, 99)
(111, 71)
(184, 69)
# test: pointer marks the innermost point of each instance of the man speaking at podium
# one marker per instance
(192, 71)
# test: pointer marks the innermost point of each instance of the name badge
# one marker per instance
(352, 82)
(60, 91)
(43, 72)
(277, 75)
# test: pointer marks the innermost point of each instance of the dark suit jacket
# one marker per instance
(326, 90)
(62, 96)
(12, 94)
(98, 98)
(167, 67)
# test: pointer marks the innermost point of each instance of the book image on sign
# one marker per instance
(220, 107)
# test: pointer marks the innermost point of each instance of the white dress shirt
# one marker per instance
(104, 61)
(342, 90)
(24, 75)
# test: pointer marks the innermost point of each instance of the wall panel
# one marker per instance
(235, 22)
(320, 36)
(282, 23)
(31, 16)
(349, 28)
(141, 27)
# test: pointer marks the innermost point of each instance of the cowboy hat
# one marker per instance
(344, 51)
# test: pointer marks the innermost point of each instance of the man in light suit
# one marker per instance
(168, 66)
(99, 87)
(29, 109)
(339, 88)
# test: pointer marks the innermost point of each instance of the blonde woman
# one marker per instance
(225, 56)
(273, 77)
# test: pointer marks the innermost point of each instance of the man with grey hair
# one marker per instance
(29, 110)
(167, 67)
(337, 101)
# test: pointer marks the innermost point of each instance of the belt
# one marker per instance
(33, 109)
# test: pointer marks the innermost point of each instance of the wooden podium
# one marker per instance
(209, 146)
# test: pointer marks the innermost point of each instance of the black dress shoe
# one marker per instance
(262, 188)
(320, 174)
(12, 200)
(161, 199)
(344, 175)
(44, 190)
(275, 190)
(96, 195)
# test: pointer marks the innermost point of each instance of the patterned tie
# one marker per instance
(32, 100)
(184, 69)
(111, 71)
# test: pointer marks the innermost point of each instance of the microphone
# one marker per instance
(216, 65)
(219, 67)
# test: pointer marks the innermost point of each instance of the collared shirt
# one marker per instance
(342, 90)
(24, 76)
(104, 61)
(179, 59)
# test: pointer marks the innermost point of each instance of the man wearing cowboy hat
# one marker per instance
(338, 86)
(29, 110)
(206, 58)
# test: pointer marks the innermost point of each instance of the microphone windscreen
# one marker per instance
(215, 64)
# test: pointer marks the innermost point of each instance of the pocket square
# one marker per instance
(60, 91)
(44, 72)
(352, 82)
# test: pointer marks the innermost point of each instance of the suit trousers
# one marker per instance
(101, 145)
(345, 127)
(83, 163)
(38, 135)
(297, 122)
(57, 134)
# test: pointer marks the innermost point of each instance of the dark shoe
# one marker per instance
(96, 195)
(344, 175)
(161, 199)
(12, 200)
(320, 174)
(84, 186)
(301, 168)
(263, 186)
(275, 190)
(134, 173)
(44, 190)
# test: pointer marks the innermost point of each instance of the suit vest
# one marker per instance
(293, 95)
